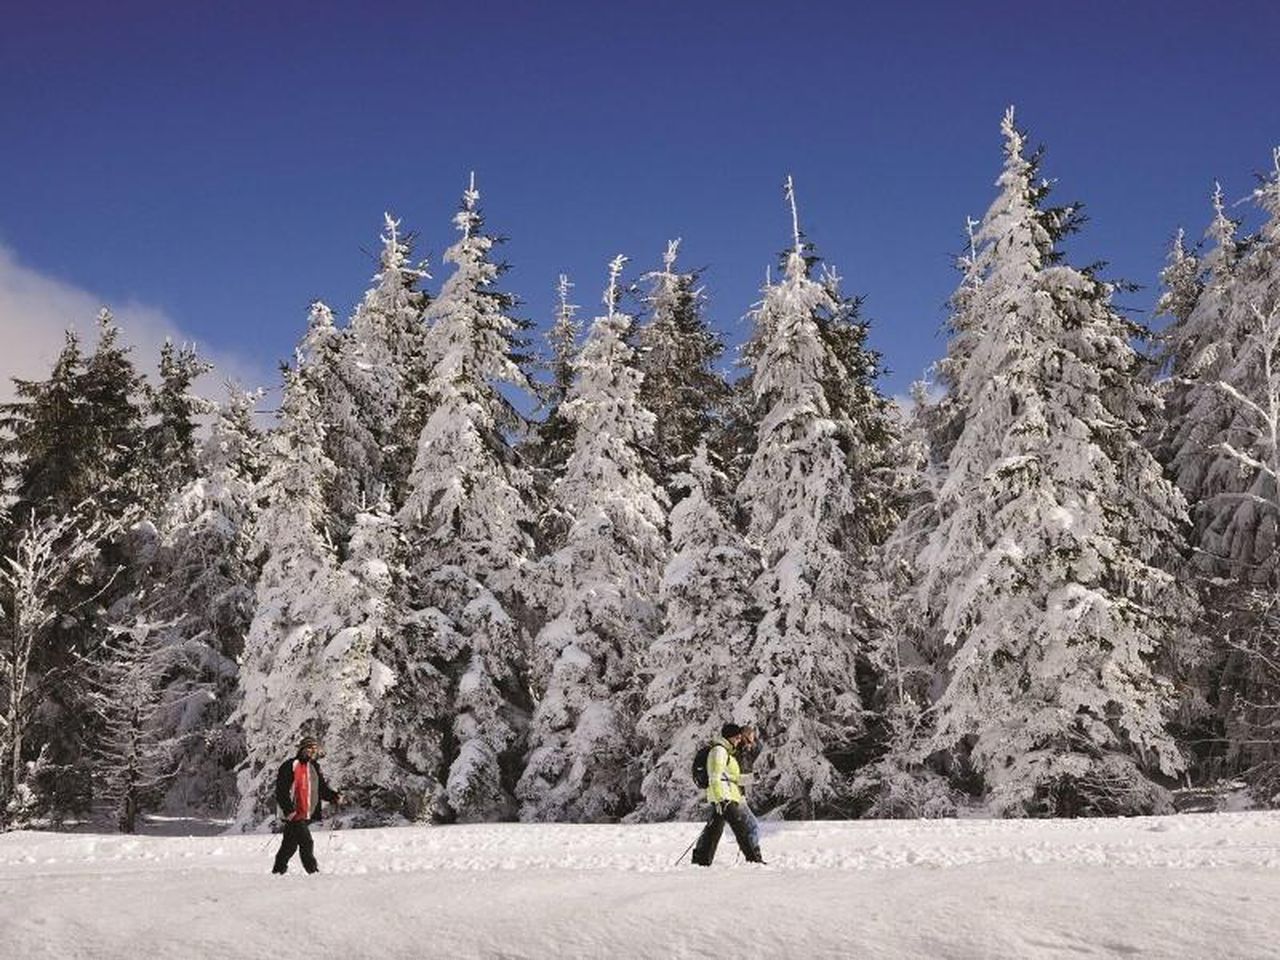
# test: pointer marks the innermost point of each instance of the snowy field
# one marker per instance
(1187, 887)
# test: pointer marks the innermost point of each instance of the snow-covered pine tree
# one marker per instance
(380, 737)
(604, 609)
(320, 655)
(551, 443)
(170, 437)
(897, 783)
(75, 447)
(469, 521)
(1199, 348)
(46, 553)
(699, 664)
(1239, 514)
(1044, 575)
(134, 760)
(283, 673)
(385, 365)
(200, 590)
(677, 355)
(1251, 681)
(815, 497)
(1237, 530)
(349, 418)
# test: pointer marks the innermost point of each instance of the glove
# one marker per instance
(744, 780)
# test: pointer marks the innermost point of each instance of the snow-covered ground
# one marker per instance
(1195, 886)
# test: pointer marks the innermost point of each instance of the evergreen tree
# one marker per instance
(291, 625)
(1239, 516)
(170, 437)
(814, 499)
(469, 522)
(114, 394)
(1044, 578)
(603, 607)
(698, 665)
(133, 760)
(373, 722)
(325, 653)
(1199, 350)
(46, 431)
(386, 365)
(76, 447)
(47, 553)
(1237, 528)
(552, 442)
(677, 355)
(350, 436)
(199, 597)
(897, 783)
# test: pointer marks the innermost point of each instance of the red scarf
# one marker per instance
(301, 791)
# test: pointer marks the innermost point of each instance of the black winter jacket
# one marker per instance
(284, 789)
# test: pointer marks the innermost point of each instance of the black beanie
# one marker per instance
(730, 729)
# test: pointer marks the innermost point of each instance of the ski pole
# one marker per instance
(679, 859)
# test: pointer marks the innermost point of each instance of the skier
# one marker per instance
(724, 793)
(300, 786)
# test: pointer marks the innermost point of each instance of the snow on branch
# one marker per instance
(795, 217)
(611, 294)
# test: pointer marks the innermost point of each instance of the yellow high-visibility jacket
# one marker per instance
(723, 775)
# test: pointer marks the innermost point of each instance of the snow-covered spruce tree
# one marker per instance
(310, 662)
(200, 590)
(385, 365)
(75, 446)
(1043, 577)
(325, 651)
(1235, 527)
(170, 437)
(1250, 687)
(47, 552)
(134, 759)
(349, 418)
(469, 522)
(604, 609)
(897, 783)
(549, 447)
(677, 355)
(291, 626)
(380, 735)
(698, 666)
(816, 497)
(1199, 348)
(1240, 527)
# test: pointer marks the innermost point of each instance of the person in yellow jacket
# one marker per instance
(728, 803)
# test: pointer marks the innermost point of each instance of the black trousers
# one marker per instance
(297, 836)
(741, 822)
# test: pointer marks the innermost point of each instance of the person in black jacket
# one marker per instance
(300, 786)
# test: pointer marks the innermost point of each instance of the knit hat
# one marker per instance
(308, 742)
(730, 729)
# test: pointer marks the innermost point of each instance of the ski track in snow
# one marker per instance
(1185, 887)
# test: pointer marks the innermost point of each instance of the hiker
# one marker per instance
(724, 793)
(300, 786)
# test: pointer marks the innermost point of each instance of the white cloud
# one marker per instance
(35, 309)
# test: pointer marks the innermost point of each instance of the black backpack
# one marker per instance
(700, 766)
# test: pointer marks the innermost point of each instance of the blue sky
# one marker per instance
(214, 167)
